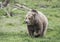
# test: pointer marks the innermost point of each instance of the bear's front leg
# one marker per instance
(31, 31)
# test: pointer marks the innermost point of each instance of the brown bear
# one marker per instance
(37, 23)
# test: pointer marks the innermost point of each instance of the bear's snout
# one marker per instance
(27, 22)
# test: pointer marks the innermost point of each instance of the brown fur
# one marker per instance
(37, 23)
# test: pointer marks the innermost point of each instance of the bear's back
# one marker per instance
(42, 17)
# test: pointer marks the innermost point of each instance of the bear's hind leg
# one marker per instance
(44, 28)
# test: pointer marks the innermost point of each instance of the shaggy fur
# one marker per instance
(37, 23)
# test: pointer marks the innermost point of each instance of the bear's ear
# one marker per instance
(34, 12)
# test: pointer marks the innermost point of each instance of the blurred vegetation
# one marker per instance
(13, 29)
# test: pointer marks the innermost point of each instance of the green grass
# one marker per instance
(13, 29)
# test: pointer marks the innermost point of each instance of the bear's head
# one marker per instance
(30, 17)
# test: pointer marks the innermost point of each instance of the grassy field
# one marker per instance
(13, 29)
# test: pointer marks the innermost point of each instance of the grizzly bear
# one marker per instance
(37, 23)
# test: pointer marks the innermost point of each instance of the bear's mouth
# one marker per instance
(28, 23)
